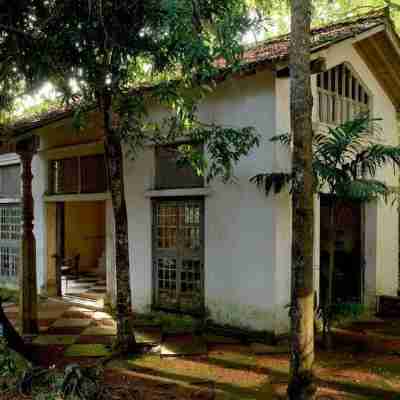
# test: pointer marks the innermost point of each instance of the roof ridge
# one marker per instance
(375, 14)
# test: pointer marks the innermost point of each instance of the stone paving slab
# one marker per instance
(107, 322)
(93, 295)
(100, 330)
(56, 339)
(53, 306)
(72, 323)
(65, 330)
(183, 345)
(148, 335)
(50, 314)
(100, 315)
(87, 350)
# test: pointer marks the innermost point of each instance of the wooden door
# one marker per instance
(178, 254)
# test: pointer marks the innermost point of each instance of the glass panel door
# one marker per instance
(178, 254)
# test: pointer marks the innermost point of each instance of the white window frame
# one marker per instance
(346, 107)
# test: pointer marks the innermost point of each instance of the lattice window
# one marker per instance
(78, 175)
(10, 234)
(341, 96)
(9, 257)
(10, 223)
(178, 254)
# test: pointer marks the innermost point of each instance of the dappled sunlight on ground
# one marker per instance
(365, 363)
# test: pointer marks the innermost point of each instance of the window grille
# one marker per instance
(10, 223)
(10, 235)
(341, 96)
(178, 254)
(9, 257)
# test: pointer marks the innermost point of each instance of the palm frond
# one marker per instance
(285, 139)
(363, 190)
(377, 156)
(342, 159)
(276, 181)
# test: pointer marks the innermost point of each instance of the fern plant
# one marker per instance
(346, 161)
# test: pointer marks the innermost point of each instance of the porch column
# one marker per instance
(27, 268)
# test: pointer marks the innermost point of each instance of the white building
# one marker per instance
(224, 249)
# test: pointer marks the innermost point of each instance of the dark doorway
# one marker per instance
(346, 248)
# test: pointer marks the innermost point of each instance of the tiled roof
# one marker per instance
(277, 49)
(263, 53)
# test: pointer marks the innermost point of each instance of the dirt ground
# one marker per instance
(363, 365)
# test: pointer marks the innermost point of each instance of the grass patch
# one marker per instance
(88, 350)
(170, 323)
(9, 295)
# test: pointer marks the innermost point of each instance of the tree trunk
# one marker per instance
(301, 383)
(13, 338)
(114, 159)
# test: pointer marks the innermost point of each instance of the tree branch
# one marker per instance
(11, 29)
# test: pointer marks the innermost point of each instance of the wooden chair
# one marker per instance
(68, 267)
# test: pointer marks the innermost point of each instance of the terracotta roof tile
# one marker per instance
(266, 52)
(277, 49)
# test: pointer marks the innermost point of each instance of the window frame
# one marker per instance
(157, 178)
(51, 180)
(341, 99)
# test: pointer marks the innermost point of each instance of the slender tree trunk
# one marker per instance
(301, 384)
(114, 158)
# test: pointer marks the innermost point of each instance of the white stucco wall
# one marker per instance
(381, 219)
(239, 219)
(247, 235)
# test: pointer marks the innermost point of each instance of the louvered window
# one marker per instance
(171, 175)
(10, 181)
(341, 96)
(78, 175)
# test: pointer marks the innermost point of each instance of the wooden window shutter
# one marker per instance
(171, 176)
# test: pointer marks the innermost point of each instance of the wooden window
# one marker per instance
(93, 174)
(78, 175)
(341, 96)
(178, 254)
(10, 234)
(10, 181)
(170, 175)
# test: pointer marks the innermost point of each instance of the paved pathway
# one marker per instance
(75, 331)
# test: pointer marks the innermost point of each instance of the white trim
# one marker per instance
(9, 159)
(77, 197)
(10, 200)
(179, 192)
